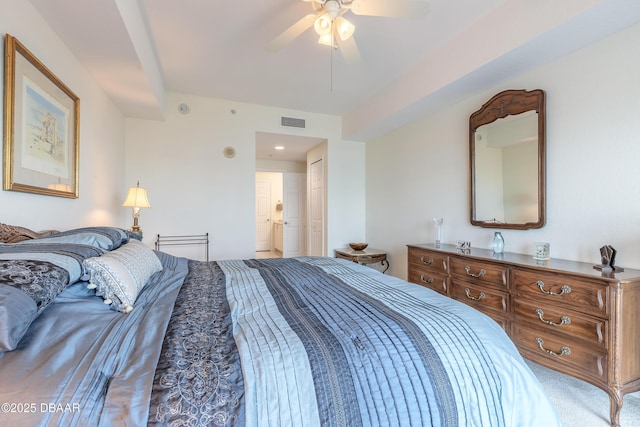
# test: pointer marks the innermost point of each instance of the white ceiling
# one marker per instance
(217, 49)
(295, 148)
(138, 50)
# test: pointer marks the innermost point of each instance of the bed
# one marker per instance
(98, 329)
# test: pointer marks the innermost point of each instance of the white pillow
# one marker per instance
(119, 275)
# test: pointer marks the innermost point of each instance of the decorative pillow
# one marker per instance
(26, 288)
(17, 311)
(106, 238)
(68, 256)
(119, 275)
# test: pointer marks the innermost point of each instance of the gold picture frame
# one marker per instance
(41, 127)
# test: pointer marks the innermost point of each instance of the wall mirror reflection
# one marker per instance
(507, 158)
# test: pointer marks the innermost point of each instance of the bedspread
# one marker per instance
(328, 342)
(285, 342)
(199, 379)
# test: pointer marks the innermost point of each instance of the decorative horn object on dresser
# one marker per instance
(564, 315)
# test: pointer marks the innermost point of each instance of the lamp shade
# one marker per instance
(344, 28)
(327, 40)
(137, 198)
(323, 24)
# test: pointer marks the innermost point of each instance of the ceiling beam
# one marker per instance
(513, 38)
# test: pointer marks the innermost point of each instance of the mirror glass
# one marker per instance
(507, 149)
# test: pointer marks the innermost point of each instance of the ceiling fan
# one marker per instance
(335, 30)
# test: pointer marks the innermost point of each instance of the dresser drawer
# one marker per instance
(428, 279)
(587, 296)
(486, 299)
(561, 314)
(593, 330)
(479, 272)
(552, 350)
(424, 259)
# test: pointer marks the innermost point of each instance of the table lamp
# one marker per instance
(136, 199)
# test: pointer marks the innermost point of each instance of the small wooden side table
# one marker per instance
(366, 256)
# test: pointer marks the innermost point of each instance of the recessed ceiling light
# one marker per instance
(279, 147)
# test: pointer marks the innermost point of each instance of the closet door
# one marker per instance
(294, 214)
(316, 209)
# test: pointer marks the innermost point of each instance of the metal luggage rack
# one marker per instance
(184, 240)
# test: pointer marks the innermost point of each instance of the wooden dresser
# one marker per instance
(565, 315)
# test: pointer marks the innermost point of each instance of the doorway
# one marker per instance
(288, 156)
(269, 207)
(281, 214)
(294, 218)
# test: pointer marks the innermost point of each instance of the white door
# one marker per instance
(295, 214)
(263, 216)
(316, 247)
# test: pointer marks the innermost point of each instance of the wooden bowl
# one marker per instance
(358, 246)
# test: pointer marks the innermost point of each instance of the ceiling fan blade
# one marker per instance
(349, 50)
(291, 33)
(391, 8)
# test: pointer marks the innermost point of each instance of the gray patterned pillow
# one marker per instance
(106, 238)
(118, 276)
(26, 288)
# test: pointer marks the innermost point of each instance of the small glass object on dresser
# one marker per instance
(542, 251)
(498, 243)
(438, 231)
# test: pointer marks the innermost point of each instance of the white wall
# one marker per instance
(101, 181)
(345, 165)
(194, 189)
(420, 171)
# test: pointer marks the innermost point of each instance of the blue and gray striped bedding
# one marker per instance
(287, 342)
(318, 341)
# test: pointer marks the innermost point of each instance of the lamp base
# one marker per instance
(136, 229)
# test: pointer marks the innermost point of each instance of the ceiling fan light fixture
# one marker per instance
(344, 28)
(323, 24)
(327, 40)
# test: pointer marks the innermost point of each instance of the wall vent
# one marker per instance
(292, 122)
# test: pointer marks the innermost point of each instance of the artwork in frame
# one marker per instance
(41, 127)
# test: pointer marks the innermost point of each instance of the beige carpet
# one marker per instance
(582, 405)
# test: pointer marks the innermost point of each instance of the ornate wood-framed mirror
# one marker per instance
(507, 148)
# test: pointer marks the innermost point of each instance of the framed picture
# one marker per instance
(41, 127)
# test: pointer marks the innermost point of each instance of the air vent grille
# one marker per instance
(292, 122)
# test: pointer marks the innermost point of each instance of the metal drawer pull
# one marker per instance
(564, 351)
(478, 298)
(480, 273)
(565, 289)
(564, 320)
(425, 281)
(429, 262)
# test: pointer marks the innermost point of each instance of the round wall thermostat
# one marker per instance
(229, 152)
(184, 108)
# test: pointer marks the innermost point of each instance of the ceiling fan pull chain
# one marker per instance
(331, 65)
